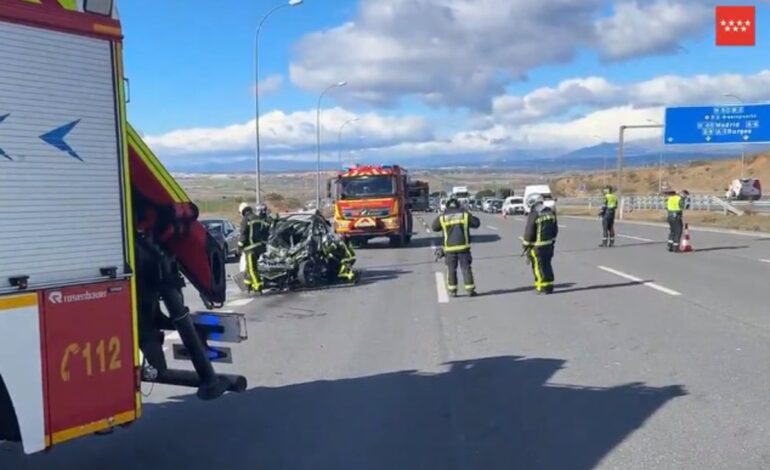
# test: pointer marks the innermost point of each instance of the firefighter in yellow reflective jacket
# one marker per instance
(255, 228)
(340, 253)
(675, 204)
(455, 223)
(607, 213)
(539, 240)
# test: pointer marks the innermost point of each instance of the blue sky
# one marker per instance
(191, 66)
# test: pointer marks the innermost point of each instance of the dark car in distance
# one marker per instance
(225, 233)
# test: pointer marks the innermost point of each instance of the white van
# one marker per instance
(744, 189)
(543, 190)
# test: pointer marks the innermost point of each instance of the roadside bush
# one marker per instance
(292, 203)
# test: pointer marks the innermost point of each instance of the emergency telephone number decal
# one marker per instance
(101, 358)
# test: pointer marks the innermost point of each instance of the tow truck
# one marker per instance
(97, 239)
(372, 201)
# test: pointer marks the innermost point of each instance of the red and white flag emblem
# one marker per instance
(735, 25)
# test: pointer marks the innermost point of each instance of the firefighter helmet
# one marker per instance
(243, 207)
(261, 210)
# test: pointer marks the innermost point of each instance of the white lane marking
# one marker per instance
(427, 230)
(518, 219)
(651, 285)
(490, 227)
(239, 303)
(562, 226)
(173, 336)
(443, 297)
(639, 239)
(765, 260)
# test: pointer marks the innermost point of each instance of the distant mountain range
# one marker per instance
(637, 153)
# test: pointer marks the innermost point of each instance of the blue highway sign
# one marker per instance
(717, 124)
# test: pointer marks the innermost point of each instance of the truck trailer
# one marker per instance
(94, 236)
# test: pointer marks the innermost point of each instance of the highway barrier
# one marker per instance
(696, 202)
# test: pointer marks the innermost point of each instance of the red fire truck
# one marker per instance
(94, 235)
(373, 201)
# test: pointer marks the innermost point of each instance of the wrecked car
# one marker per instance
(303, 252)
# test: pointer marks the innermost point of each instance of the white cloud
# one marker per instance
(536, 121)
(270, 85)
(463, 52)
(295, 132)
(597, 93)
(644, 28)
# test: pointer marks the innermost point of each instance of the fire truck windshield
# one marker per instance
(357, 187)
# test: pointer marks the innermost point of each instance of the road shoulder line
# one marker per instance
(692, 227)
(443, 296)
(630, 237)
(651, 285)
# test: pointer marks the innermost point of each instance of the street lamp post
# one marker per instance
(339, 138)
(604, 162)
(660, 160)
(743, 147)
(291, 3)
(621, 136)
(318, 143)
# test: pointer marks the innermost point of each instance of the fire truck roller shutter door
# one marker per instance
(64, 177)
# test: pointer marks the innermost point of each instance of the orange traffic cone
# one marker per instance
(685, 245)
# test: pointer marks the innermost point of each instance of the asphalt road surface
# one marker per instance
(643, 359)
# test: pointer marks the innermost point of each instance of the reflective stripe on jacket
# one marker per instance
(542, 227)
(455, 224)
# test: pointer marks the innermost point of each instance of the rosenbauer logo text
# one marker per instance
(57, 297)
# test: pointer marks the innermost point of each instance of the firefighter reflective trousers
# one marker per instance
(252, 278)
(540, 258)
(464, 259)
(675, 225)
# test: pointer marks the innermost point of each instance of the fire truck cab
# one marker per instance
(372, 201)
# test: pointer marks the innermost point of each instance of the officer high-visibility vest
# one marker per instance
(452, 221)
(611, 201)
(674, 203)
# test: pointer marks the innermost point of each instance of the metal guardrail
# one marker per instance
(696, 202)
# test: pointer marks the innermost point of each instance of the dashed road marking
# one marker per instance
(443, 297)
(765, 260)
(238, 303)
(651, 285)
(562, 226)
(491, 227)
(639, 239)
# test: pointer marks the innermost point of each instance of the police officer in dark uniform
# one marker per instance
(455, 223)
(607, 213)
(539, 240)
(255, 229)
(675, 204)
